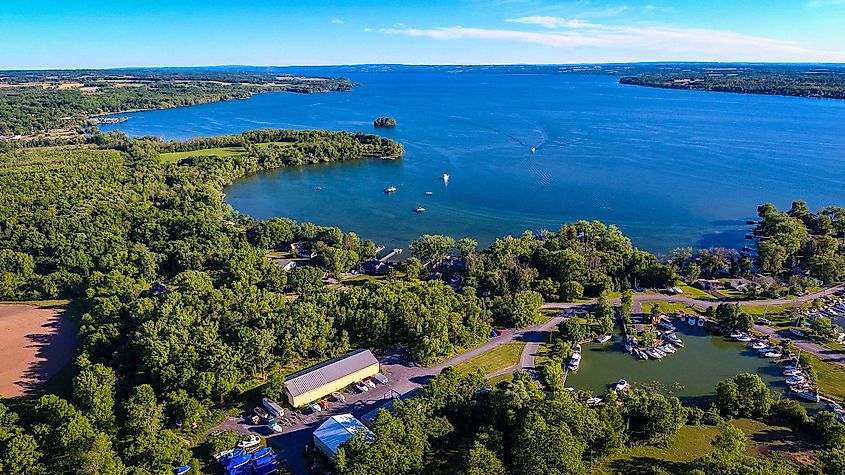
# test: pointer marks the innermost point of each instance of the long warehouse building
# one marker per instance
(318, 381)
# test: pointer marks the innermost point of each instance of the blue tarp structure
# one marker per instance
(337, 430)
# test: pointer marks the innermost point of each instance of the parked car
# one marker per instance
(380, 378)
(764, 321)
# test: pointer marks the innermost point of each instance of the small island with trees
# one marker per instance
(384, 122)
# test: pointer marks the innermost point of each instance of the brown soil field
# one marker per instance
(35, 343)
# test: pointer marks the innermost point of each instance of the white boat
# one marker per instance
(390, 189)
(666, 325)
(339, 397)
(445, 177)
(672, 338)
(251, 441)
(759, 345)
(628, 346)
(655, 353)
(808, 394)
(794, 365)
(577, 348)
(744, 338)
(621, 385)
(773, 354)
(533, 149)
(369, 382)
(276, 427)
(792, 372)
(691, 321)
(428, 193)
(736, 334)
(420, 209)
(315, 407)
(640, 354)
(594, 401)
(574, 362)
(603, 338)
(667, 348)
(701, 322)
(797, 379)
(796, 332)
(765, 349)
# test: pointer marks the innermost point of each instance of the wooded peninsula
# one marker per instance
(63, 102)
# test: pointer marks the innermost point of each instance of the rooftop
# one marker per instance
(338, 429)
(328, 371)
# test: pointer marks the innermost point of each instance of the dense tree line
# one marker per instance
(37, 101)
(807, 81)
(516, 428)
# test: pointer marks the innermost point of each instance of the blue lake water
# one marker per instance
(670, 168)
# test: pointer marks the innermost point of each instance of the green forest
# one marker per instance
(785, 80)
(104, 222)
(32, 102)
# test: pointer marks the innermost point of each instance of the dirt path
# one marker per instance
(35, 343)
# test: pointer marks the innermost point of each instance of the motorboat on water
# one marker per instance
(672, 338)
(701, 322)
(577, 349)
(183, 469)
(640, 354)
(745, 338)
(773, 354)
(736, 334)
(420, 209)
(628, 345)
(797, 379)
(765, 349)
(445, 177)
(792, 372)
(691, 321)
(390, 189)
(808, 394)
(574, 362)
(655, 353)
(621, 386)
(428, 193)
(667, 348)
(759, 345)
(666, 325)
(603, 338)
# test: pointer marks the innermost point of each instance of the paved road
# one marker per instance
(405, 376)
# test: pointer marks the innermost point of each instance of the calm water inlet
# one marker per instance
(671, 168)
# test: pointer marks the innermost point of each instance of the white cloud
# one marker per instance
(552, 22)
(642, 43)
(337, 21)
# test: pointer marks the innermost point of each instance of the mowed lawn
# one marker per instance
(693, 442)
(173, 157)
(501, 357)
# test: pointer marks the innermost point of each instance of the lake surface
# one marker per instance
(670, 168)
(690, 373)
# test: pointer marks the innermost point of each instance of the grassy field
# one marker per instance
(670, 307)
(831, 377)
(693, 442)
(173, 157)
(694, 292)
(501, 357)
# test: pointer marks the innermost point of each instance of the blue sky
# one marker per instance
(96, 33)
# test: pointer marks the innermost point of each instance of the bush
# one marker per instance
(792, 412)
(222, 441)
